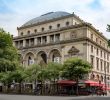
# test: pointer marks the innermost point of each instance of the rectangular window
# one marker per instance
(27, 42)
(101, 65)
(91, 36)
(101, 53)
(96, 40)
(51, 38)
(97, 51)
(107, 67)
(92, 48)
(92, 60)
(38, 40)
(104, 65)
(100, 42)
(44, 40)
(32, 41)
(104, 55)
(21, 43)
(97, 60)
(57, 37)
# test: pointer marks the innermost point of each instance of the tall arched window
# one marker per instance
(30, 60)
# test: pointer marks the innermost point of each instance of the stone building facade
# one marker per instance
(57, 36)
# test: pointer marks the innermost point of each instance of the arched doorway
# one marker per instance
(42, 58)
(29, 59)
(97, 77)
(55, 56)
(92, 77)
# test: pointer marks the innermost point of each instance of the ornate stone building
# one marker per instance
(56, 36)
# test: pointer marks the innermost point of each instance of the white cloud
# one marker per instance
(24, 10)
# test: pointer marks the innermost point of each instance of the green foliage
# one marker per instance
(8, 53)
(108, 27)
(32, 72)
(5, 77)
(75, 68)
(54, 70)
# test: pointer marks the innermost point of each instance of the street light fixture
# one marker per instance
(105, 77)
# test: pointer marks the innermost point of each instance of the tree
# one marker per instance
(75, 69)
(8, 53)
(17, 76)
(53, 72)
(108, 27)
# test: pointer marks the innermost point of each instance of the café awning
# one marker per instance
(92, 83)
(66, 82)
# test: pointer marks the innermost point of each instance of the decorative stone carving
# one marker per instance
(73, 34)
(73, 51)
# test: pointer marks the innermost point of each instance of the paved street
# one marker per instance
(25, 97)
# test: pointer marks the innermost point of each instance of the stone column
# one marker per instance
(48, 39)
(24, 43)
(35, 41)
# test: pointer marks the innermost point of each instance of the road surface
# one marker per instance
(27, 97)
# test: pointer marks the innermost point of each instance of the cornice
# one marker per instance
(67, 41)
(50, 31)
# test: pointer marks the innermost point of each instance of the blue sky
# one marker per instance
(14, 13)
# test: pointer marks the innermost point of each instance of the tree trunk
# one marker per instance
(20, 87)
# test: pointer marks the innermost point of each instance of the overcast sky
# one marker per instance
(14, 13)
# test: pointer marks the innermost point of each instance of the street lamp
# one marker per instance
(105, 78)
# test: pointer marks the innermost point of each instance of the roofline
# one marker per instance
(51, 20)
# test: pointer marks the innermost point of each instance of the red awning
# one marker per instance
(107, 88)
(67, 82)
(92, 83)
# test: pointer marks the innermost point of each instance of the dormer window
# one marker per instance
(50, 27)
(35, 31)
(58, 25)
(28, 32)
(67, 23)
(42, 29)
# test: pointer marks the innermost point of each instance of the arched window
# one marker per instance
(28, 32)
(30, 60)
(67, 23)
(21, 33)
(92, 77)
(97, 76)
(42, 29)
(58, 25)
(50, 27)
(35, 31)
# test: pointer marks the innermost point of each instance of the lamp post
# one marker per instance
(105, 78)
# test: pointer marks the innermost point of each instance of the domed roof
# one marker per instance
(46, 17)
